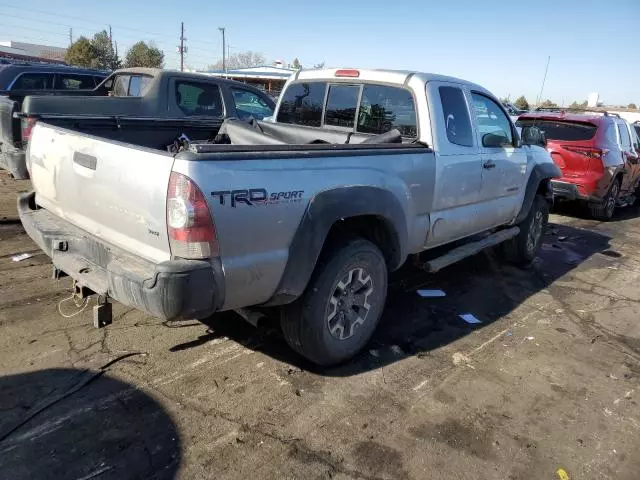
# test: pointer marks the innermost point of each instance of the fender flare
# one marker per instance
(323, 211)
(542, 172)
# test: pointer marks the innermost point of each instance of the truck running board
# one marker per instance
(469, 249)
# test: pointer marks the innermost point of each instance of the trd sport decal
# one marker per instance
(257, 196)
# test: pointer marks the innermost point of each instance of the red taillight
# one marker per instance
(347, 73)
(587, 151)
(192, 233)
(595, 156)
(27, 126)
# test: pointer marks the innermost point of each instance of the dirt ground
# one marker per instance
(548, 380)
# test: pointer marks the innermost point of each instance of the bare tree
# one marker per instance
(240, 60)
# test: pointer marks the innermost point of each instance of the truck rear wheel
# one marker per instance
(523, 248)
(341, 306)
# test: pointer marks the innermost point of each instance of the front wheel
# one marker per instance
(341, 306)
(523, 248)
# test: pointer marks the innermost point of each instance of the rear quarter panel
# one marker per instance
(254, 240)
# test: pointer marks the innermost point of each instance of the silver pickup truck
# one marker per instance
(357, 170)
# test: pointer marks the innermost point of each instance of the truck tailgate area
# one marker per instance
(171, 289)
(113, 191)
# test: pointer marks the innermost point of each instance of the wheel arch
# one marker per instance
(539, 184)
(372, 213)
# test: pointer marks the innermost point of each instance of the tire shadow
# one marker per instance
(107, 429)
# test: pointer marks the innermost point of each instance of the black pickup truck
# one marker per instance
(151, 107)
(20, 79)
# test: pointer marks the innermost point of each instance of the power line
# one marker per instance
(77, 18)
(162, 35)
(207, 54)
(162, 41)
(35, 30)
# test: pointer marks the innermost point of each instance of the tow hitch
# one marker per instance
(81, 296)
(102, 315)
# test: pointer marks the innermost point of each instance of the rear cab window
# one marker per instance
(250, 104)
(198, 99)
(363, 108)
(130, 85)
(302, 104)
(384, 108)
(564, 130)
(33, 81)
(342, 103)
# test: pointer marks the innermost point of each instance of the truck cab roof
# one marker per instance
(9, 73)
(397, 77)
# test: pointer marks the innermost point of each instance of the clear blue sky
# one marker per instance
(594, 44)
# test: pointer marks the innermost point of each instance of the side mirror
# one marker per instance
(495, 140)
(533, 136)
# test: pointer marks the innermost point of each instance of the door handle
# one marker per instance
(489, 165)
(84, 160)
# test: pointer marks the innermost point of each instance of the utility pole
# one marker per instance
(70, 36)
(224, 52)
(114, 58)
(182, 49)
(181, 46)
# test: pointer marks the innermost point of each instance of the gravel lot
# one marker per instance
(550, 379)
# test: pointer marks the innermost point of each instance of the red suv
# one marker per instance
(597, 155)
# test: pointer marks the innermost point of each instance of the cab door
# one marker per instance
(458, 164)
(504, 162)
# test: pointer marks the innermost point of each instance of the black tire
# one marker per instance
(523, 248)
(605, 209)
(306, 323)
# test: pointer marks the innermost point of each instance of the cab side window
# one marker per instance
(493, 124)
(33, 81)
(195, 98)
(66, 81)
(456, 116)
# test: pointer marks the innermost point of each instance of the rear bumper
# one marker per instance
(566, 191)
(588, 190)
(14, 161)
(167, 290)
